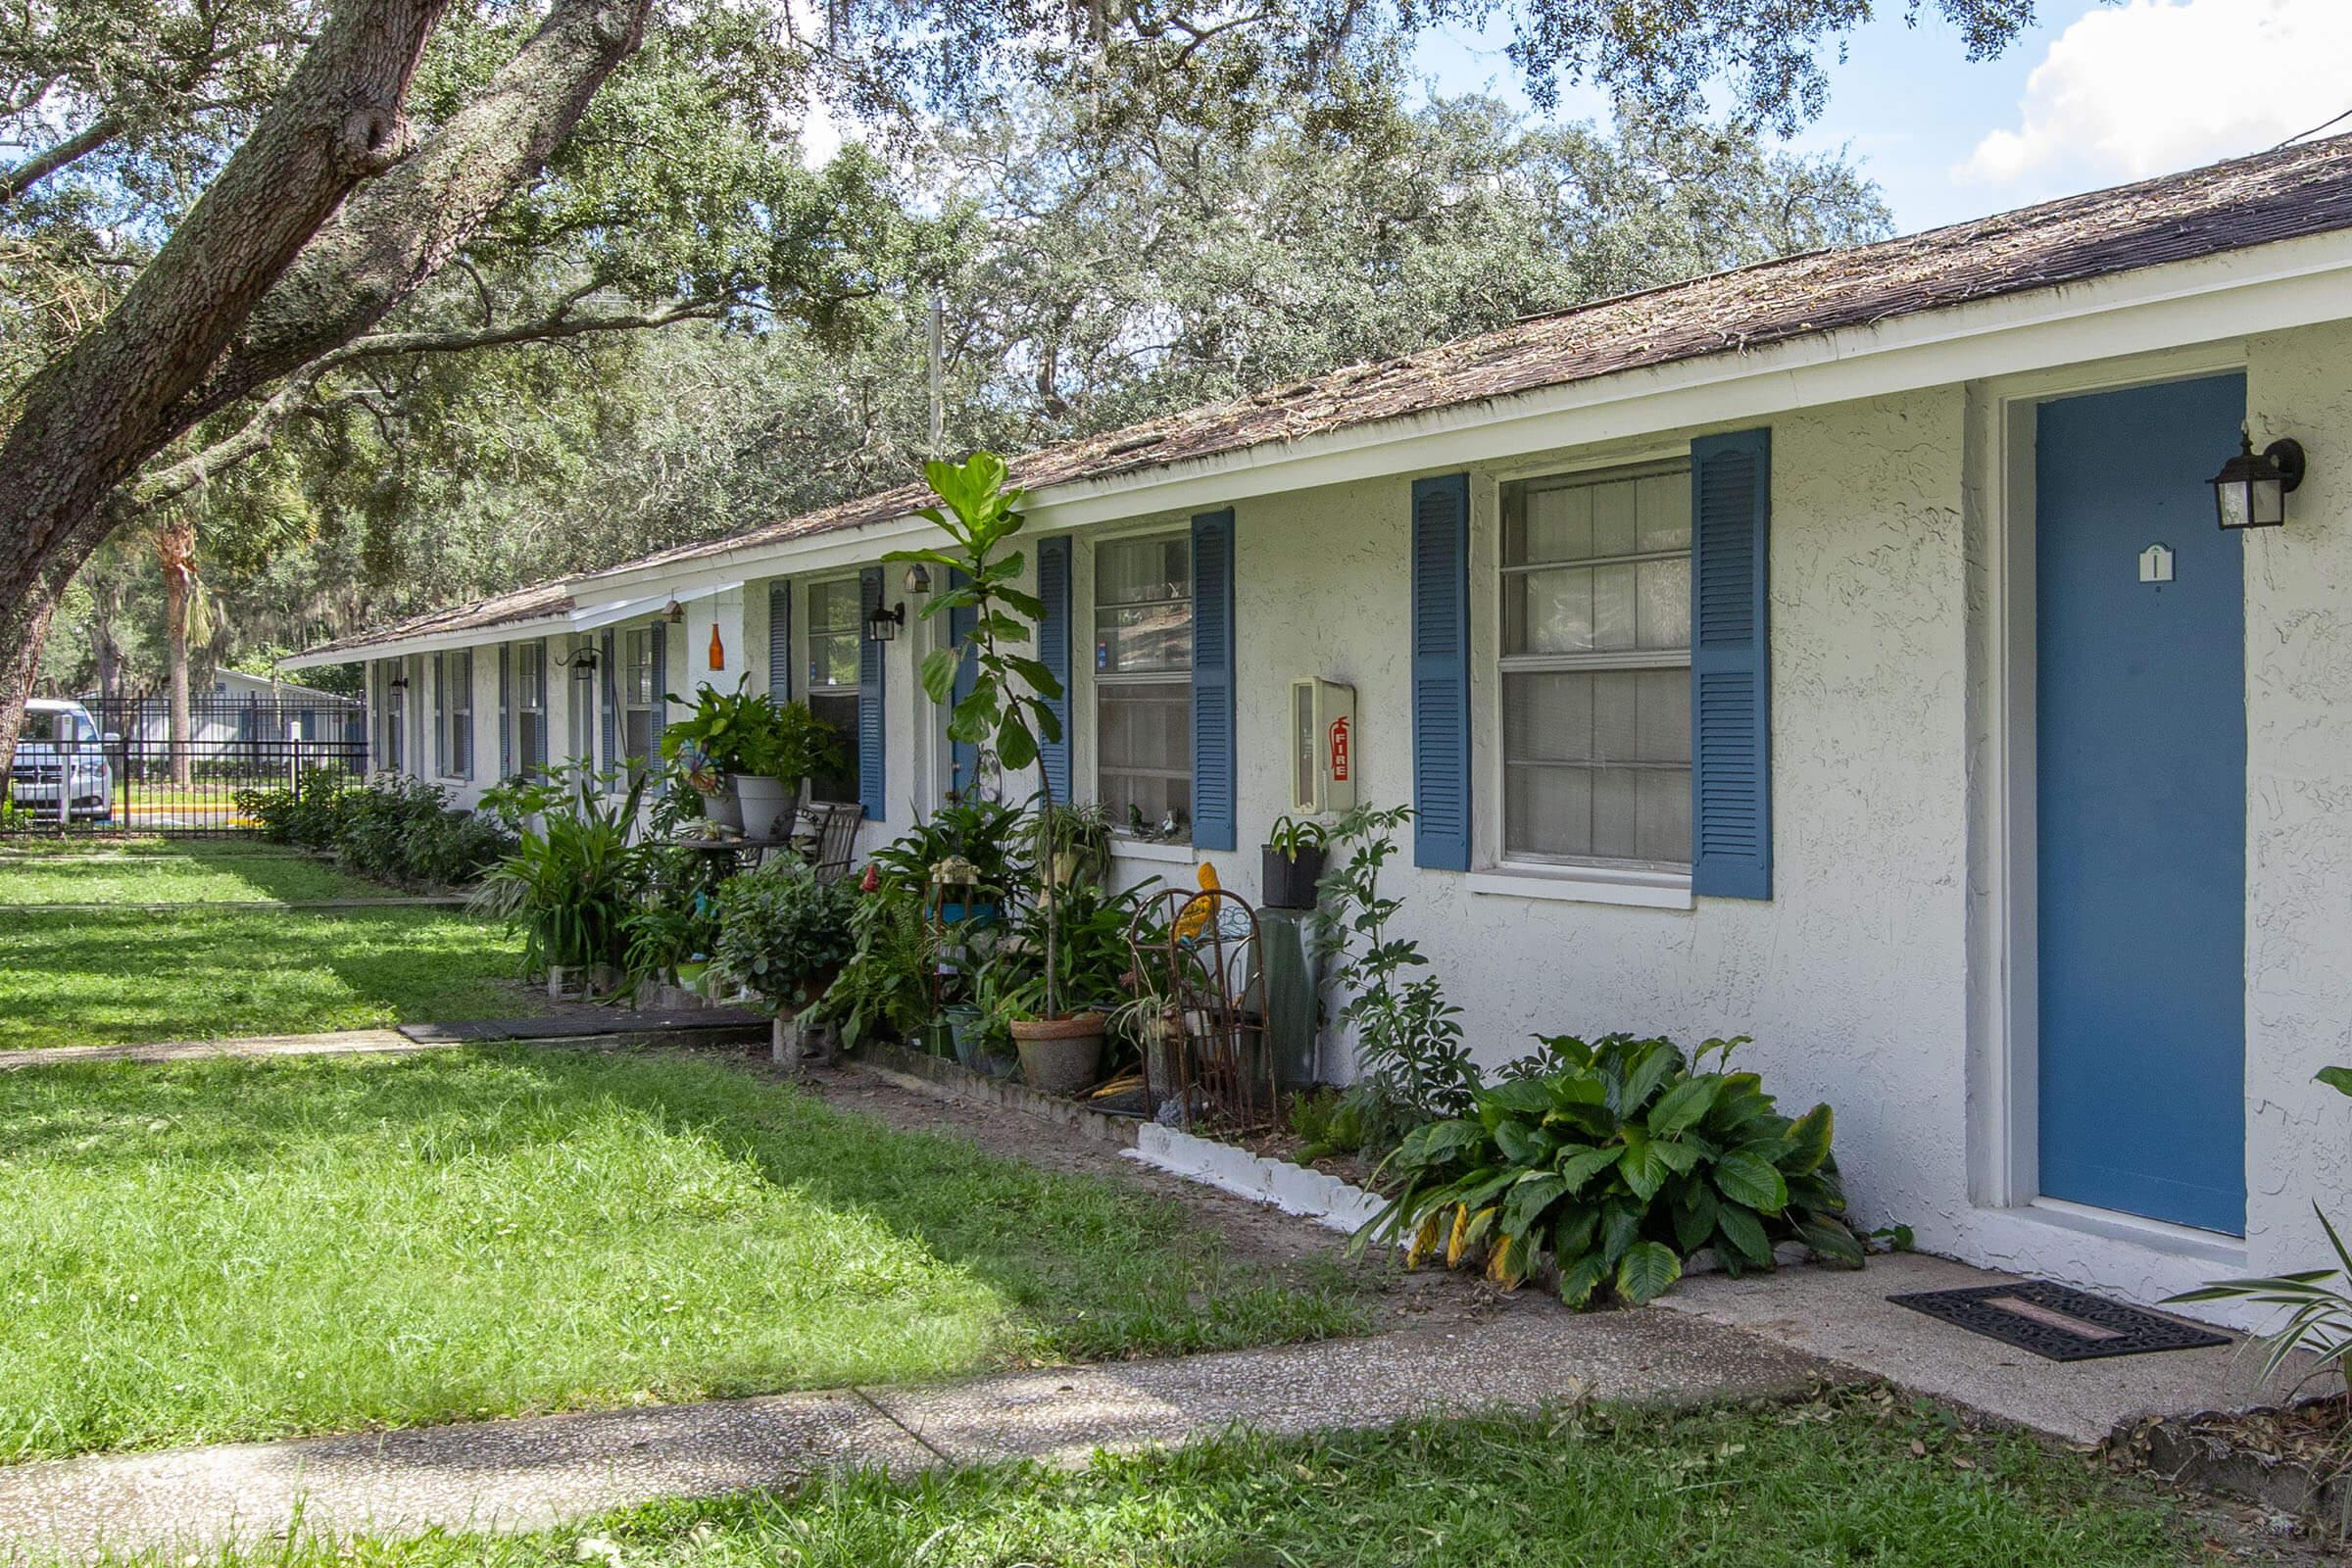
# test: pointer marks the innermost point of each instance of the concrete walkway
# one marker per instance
(522, 1474)
(1844, 1316)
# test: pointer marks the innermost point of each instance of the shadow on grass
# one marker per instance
(135, 976)
(1091, 1268)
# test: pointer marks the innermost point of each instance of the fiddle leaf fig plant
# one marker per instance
(1009, 709)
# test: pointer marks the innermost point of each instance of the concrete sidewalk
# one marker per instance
(522, 1474)
(1844, 1316)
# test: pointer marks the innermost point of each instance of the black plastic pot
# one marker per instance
(1290, 884)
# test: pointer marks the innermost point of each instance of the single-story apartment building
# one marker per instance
(1842, 651)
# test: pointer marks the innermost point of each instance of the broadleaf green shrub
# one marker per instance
(783, 931)
(394, 830)
(1617, 1160)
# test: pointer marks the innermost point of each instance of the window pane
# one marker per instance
(1603, 715)
(833, 606)
(637, 668)
(1547, 612)
(1662, 604)
(1613, 529)
(1139, 639)
(1596, 764)
(840, 711)
(1547, 521)
(1135, 572)
(1144, 750)
(833, 660)
(1550, 524)
(1662, 508)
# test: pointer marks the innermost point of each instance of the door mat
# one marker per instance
(2057, 1323)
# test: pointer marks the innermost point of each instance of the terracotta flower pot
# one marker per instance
(1060, 1055)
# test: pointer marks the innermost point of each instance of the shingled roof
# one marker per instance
(537, 601)
(2284, 194)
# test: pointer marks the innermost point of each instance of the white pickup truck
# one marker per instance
(61, 755)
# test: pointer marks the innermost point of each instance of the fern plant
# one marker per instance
(1618, 1160)
(572, 885)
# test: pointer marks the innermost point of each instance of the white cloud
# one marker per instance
(2153, 85)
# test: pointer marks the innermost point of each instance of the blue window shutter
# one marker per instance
(537, 759)
(1731, 711)
(506, 710)
(963, 756)
(873, 793)
(1053, 650)
(658, 719)
(779, 640)
(1213, 814)
(1442, 673)
(610, 692)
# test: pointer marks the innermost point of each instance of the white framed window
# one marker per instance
(832, 627)
(530, 705)
(1593, 675)
(638, 693)
(453, 713)
(1143, 679)
(392, 674)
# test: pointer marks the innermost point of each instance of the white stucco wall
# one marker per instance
(1870, 978)
(2299, 807)
(1853, 978)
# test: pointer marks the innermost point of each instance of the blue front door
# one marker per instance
(2140, 721)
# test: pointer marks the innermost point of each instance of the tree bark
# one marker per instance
(104, 406)
(256, 282)
(403, 228)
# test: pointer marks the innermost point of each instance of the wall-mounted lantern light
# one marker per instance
(583, 665)
(398, 683)
(918, 579)
(882, 623)
(2251, 490)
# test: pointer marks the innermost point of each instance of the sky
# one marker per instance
(2095, 94)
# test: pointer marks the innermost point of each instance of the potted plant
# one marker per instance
(1010, 707)
(1293, 863)
(572, 887)
(783, 934)
(1080, 833)
(747, 753)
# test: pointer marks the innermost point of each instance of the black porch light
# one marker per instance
(583, 665)
(882, 623)
(2251, 490)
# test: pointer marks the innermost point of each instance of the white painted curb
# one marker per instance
(1294, 1189)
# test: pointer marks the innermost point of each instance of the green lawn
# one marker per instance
(1830, 1484)
(16, 846)
(109, 977)
(239, 1248)
(199, 872)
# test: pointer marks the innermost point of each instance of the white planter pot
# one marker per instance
(762, 801)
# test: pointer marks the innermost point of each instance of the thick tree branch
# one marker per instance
(90, 417)
(403, 228)
(16, 181)
(295, 392)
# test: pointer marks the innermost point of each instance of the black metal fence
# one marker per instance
(137, 782)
